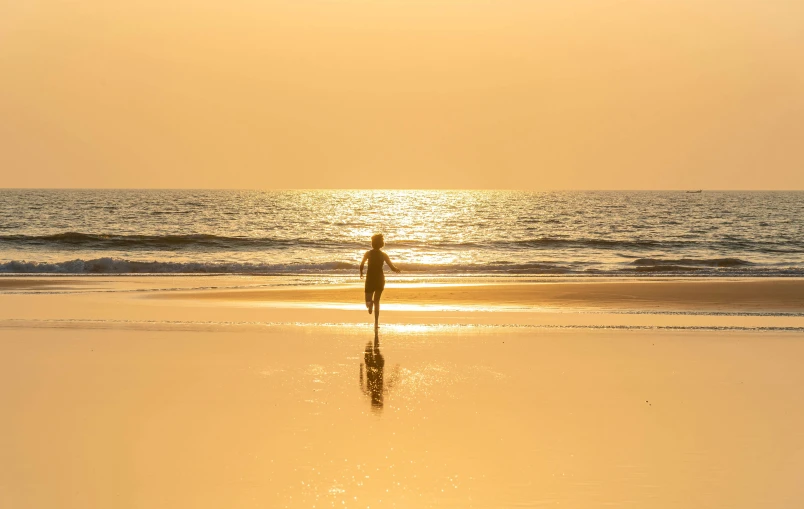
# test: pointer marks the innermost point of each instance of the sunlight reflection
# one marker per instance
(385, 306)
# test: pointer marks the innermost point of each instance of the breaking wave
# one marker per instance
(120, 266)
(725, 266)
(207, 242)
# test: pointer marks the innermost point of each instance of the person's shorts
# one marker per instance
(375, 285)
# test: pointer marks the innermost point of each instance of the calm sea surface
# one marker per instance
(427, 232)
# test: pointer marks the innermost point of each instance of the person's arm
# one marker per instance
(388, 261)
(362, 264)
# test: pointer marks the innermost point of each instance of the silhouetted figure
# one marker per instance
(375, 277)
(375, 369)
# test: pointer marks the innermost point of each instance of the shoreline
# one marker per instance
(726, 304)
(711, 295)
(409, 275)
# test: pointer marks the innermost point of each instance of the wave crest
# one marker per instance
(120, 266)
(647, 266)
(219, 243)
(156, 242)
(690, 262)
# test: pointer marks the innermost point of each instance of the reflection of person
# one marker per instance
(375, 278)
(375, 364)
(375, 369)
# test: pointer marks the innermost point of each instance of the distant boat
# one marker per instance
(695, 192)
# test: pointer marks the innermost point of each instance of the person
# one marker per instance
(375, 278)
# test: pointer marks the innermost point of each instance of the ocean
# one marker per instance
(440, 233)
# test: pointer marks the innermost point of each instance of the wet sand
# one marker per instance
(278, 418)
(119, 399)
(705, 294)
(750, 295)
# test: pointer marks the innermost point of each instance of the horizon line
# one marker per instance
(559, 190)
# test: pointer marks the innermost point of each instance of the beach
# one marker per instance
(581, 226)
(222, 391)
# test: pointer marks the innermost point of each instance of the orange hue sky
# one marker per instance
(518, 94)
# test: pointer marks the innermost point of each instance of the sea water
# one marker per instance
(447, 233)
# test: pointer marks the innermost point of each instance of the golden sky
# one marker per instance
(512, 94)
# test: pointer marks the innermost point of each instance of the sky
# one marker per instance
(463, 94)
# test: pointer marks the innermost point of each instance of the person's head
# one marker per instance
(377, 241)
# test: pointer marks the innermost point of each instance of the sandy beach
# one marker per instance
(114, 395)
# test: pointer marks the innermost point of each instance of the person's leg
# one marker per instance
(369, 301)
(377, 296)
